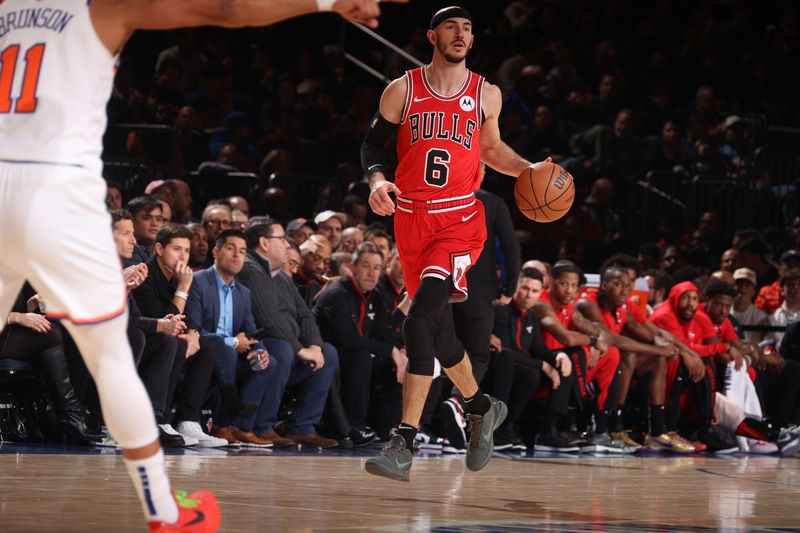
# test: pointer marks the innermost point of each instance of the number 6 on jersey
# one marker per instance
(436, 168)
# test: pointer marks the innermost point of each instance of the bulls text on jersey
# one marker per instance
(437, 125)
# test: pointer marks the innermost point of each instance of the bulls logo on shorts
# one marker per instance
(461, 264)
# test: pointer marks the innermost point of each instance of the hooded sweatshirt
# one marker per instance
(691, 332)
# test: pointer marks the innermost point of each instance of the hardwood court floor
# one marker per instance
(309, 492)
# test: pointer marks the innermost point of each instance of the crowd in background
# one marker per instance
(610, 90)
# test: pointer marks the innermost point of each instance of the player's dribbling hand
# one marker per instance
(364, 12)
(379, 199)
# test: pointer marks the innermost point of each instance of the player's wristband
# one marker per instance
(593, 341)
(182, 294)
(325, 5)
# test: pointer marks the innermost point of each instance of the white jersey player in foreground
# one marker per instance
(57, 67)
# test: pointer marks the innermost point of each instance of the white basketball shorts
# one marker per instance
(55, 232)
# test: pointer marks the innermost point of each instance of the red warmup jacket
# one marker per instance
(691, 332)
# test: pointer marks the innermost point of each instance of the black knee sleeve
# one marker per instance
(422, 324)
(447, 348)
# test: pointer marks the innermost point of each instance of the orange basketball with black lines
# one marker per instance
(544, 192)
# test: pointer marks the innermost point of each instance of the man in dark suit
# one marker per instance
(222, 309)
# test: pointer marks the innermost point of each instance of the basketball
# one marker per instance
(544, 192)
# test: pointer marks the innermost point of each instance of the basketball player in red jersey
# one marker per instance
(446, 122)
(52, 213)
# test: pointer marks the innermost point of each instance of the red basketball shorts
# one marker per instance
(439, 238)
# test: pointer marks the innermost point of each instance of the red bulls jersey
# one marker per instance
(437, 144)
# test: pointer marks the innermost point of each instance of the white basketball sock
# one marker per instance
(149, 476)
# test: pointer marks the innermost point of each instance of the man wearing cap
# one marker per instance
(330, 224)
(446, 121)
(299, 230)
(745, 313)
(769, 297)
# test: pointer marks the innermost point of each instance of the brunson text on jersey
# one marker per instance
(47, 18)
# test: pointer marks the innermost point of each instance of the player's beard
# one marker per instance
(450, 58)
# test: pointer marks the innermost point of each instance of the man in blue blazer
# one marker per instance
(222, 309)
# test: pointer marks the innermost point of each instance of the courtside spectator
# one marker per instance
(222, 310)
(164, 293)
(299, 357)
(352, 316)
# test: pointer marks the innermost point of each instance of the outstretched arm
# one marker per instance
(116, 20)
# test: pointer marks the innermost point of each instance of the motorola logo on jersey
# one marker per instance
(467, 103)
(436, 124)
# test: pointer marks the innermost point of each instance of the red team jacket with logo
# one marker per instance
(438, 140)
